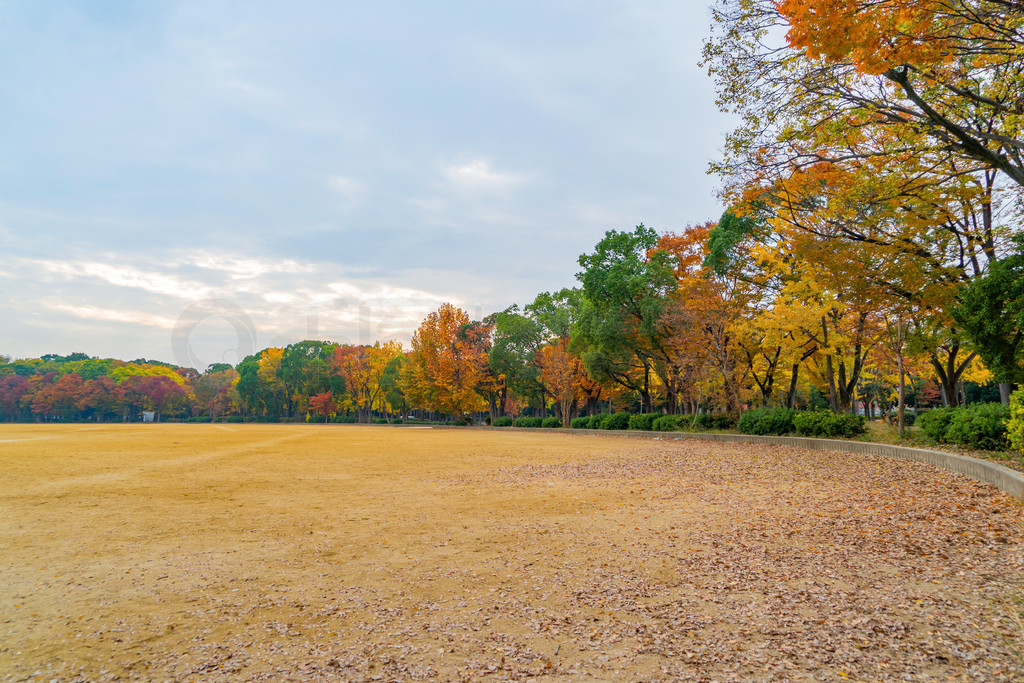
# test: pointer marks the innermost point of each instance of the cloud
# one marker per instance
(241, 268)
(128, 276)
(479, 174)
(88, 312)
(349, 189)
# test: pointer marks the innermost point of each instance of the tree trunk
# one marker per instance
(1005, 389)
(791, 395)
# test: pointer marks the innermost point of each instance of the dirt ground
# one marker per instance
(289, 552)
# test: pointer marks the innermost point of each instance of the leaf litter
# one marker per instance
(513, 559)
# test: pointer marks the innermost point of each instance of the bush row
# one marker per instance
(534, 422)
(656, 422)
(979, 425)
(817, 423)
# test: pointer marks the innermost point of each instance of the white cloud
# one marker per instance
(87, 312)
(239, 268)
(128, 276)
(479, 174)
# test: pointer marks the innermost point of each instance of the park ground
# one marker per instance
(275, 552)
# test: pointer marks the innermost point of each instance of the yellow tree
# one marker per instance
(365, 370)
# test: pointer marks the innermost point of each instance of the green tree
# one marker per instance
(991, 311)
(621, 330)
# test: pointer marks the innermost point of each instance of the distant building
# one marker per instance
(148, 416)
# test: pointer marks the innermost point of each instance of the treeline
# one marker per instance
(653, 329)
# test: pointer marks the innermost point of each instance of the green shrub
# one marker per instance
(380, 421)
(643, 421)
(397, 421)
(597, 421)
(1015, 423)
(766, 421)
(234, 419)
(827, 424)
(616, 421)
(582, 422)
(503, 421)
(532, 422)
(666, 423)
(199, 418)
(551, 423)
(979, 425)
(463, 421)
(935, 422)
(344, 419)
(714, 421)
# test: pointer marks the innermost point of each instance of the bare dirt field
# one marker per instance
(246, 552)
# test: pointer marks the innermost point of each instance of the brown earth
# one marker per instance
(245, 552)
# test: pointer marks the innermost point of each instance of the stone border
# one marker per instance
(1003, 478)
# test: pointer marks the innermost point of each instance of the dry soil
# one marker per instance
(245, 552)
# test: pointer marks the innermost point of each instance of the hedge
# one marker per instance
(643, 421)
(828, 425)
(616, 421)
(767, 421)
(714, 421)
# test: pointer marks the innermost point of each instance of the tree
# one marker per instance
(324, 404)
(621, 328)
(515, 340)
(564, 377)
(365, 371)
(215, 389)
(951, 69)
(448, 362)
(991, 311)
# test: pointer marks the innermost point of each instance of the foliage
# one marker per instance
(714, 421)
(1015, 422)
(979, 425)
(448, 362)
(935, 422)
(551, 423)
(532, 422)
(503, 421)
(991, 311)
(643, 421)
(828, 425)
(597, 421)
(666, 423)
(616, 421)
(582, 422)
(767, 421)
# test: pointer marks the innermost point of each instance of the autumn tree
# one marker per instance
(365, 370)
(323, 404)
(447, 363)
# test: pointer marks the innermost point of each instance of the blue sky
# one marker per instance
(174, 172)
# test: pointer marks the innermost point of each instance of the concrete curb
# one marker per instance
(1003, 478)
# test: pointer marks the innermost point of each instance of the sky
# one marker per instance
(194, 181)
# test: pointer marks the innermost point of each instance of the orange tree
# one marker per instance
(447, 364)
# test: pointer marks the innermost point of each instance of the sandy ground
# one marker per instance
(280, 552)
